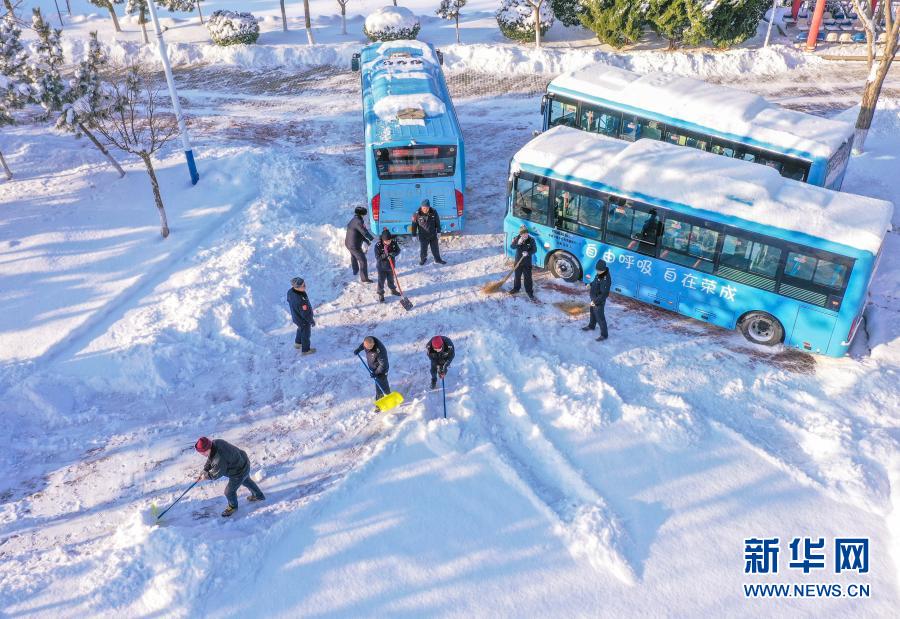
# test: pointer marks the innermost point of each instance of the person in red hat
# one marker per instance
(224, 459)
(441, 352)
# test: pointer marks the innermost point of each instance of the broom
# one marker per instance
(572, 308)
(492, 287)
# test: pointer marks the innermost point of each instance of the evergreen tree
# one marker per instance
(569, 12)
(108, 5)
(450, 9)
(14, 89)
(615, 22)
(678, 21)
(186, 6)
(139, 7)
(43, 68)
(727, 23)
(88, 99)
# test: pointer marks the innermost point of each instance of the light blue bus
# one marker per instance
(414, 146)
(689, 112)
(719, 240)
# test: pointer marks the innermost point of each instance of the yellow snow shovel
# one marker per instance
(385, 402)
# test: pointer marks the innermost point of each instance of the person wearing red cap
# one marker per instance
(224, 459)
(440, 352)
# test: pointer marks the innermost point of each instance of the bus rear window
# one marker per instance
(415, 161)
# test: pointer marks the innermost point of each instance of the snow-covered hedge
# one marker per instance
(391, 23)
(516, 19)
(232, 28)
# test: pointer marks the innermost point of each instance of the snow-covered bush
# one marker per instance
(232, 28)
(391, 23)
(516, 19)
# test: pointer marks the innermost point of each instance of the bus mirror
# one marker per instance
(544, 104)
(354, 62)
(440, 56)
(535, 133)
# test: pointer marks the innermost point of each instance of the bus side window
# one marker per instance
(531, 201)
(562, 113)
(800, 266)
(722, 149)
(830, 274)
(651, 129)
(599, 120)
(631, 129)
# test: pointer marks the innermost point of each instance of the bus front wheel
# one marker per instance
(762, 328)
(565, 266)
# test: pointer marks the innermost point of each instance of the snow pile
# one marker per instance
(391, 23)
(232, 28)
(516, 19)
(392, 106)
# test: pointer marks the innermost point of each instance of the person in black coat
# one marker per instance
(525, 248)
(426, 225)
(357, 242)
(377, 360)
(224, 459)
(386, 249)
(301, 314)
(599, 293)
(440, 352)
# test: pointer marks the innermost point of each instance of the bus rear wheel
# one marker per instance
(565, 266)
(762, 328)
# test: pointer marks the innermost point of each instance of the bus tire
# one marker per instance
(761, 328)
(565, 266)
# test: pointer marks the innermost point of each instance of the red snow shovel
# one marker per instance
(406, 303)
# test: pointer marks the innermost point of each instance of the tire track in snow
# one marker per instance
(583, 518)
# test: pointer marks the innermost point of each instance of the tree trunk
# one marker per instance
(164, 224)
(112, 13)
(59, 14)
(143, 20)
(537, 25)
(673, 45)
(9, 7)
(199, 12)
(457, 28)
(308, 22)
(872, 91)
(102, 149)
(69, 7)
(283, 17)
(395, 2)
(343, 19)
(6, 168)
(870, 49)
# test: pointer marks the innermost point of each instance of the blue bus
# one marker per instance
(414, 146)
(719, 240)
(689, 112)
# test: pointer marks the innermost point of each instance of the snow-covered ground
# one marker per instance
(571, 479)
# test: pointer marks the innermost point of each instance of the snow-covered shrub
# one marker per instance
(391, 23)
(232, 28)
(516, 19)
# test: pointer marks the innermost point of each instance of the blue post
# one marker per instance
(192, 167)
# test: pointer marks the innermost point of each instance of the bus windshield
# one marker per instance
(415, 162)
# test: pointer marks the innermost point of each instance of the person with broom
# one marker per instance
(377, 360)
(224, 459)
(440, 352)
(386, 250)
(525, 248)
(599, 293)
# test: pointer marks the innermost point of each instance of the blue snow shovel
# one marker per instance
(386, 402)
(444, 390)
(154, 509)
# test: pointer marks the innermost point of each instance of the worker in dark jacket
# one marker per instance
(301, 314)
(599, 292)
(426, 225)
(224, 459)
(377, 360)
(525, 248)
(386, 250)
(357, 242)
(440, 352)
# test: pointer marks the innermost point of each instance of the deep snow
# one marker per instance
(571, 479)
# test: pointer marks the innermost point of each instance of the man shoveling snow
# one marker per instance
(223, 458)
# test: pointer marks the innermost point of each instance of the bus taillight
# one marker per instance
(459, 203)
(376, 206)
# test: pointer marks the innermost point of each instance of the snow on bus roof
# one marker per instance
(714, 107)
(711, 183)
(403, 82)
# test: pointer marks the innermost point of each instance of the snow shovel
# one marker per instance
(406, 303)
(444, 390)
(154, 510)
(385, 402)
(493, 287)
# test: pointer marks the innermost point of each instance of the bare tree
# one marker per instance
(308, 22)
(343, 5)
(136, 125)
(108, 5)
(872, 21)
(536, 7)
